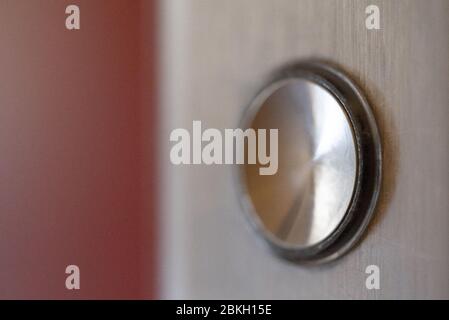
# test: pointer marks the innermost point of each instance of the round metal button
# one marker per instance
(323, 195)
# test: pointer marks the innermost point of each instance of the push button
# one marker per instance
(323, 195)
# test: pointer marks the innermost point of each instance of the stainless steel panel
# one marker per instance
(217, 54)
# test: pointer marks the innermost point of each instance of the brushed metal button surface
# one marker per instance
(326, 187)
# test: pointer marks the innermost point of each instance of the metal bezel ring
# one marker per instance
(369, 165)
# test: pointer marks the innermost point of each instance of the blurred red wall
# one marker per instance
(77, 119)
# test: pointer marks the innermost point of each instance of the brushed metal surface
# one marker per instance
(215, 57)
(306, 200)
